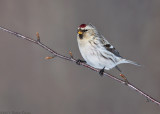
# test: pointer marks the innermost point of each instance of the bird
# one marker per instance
(97, 51)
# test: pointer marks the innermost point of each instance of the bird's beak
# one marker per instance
(80, 32)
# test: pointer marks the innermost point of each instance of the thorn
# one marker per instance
(38, 37)
(49, 58)
(70, 53)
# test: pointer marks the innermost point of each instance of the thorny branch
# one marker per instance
(37, 41)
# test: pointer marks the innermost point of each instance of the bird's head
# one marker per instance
(86, 31)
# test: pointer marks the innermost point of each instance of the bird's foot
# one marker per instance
(101, 72)
(80, 61)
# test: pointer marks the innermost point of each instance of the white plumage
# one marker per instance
(96, 50)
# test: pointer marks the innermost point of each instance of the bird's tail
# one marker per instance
(128, 61)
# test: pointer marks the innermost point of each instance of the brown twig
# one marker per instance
(74, 60)
(49, 58)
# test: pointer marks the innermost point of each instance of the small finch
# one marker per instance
(97, 51)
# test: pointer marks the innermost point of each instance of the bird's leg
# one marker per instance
(125, 79)
(101, 71)
(118, 68)
(80, 61)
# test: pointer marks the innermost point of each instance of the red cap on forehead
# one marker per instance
(82, 26)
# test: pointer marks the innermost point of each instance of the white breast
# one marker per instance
(92, 55)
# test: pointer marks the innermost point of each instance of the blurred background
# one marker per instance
(32, 84)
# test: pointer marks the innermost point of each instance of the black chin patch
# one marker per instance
(81, 36)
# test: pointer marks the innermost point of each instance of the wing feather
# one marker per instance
(109, 47)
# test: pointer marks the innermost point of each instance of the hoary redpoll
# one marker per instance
(96, 50)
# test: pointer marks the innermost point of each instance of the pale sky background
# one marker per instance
(32, 84)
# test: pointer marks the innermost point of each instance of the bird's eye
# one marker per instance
(84, 30)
